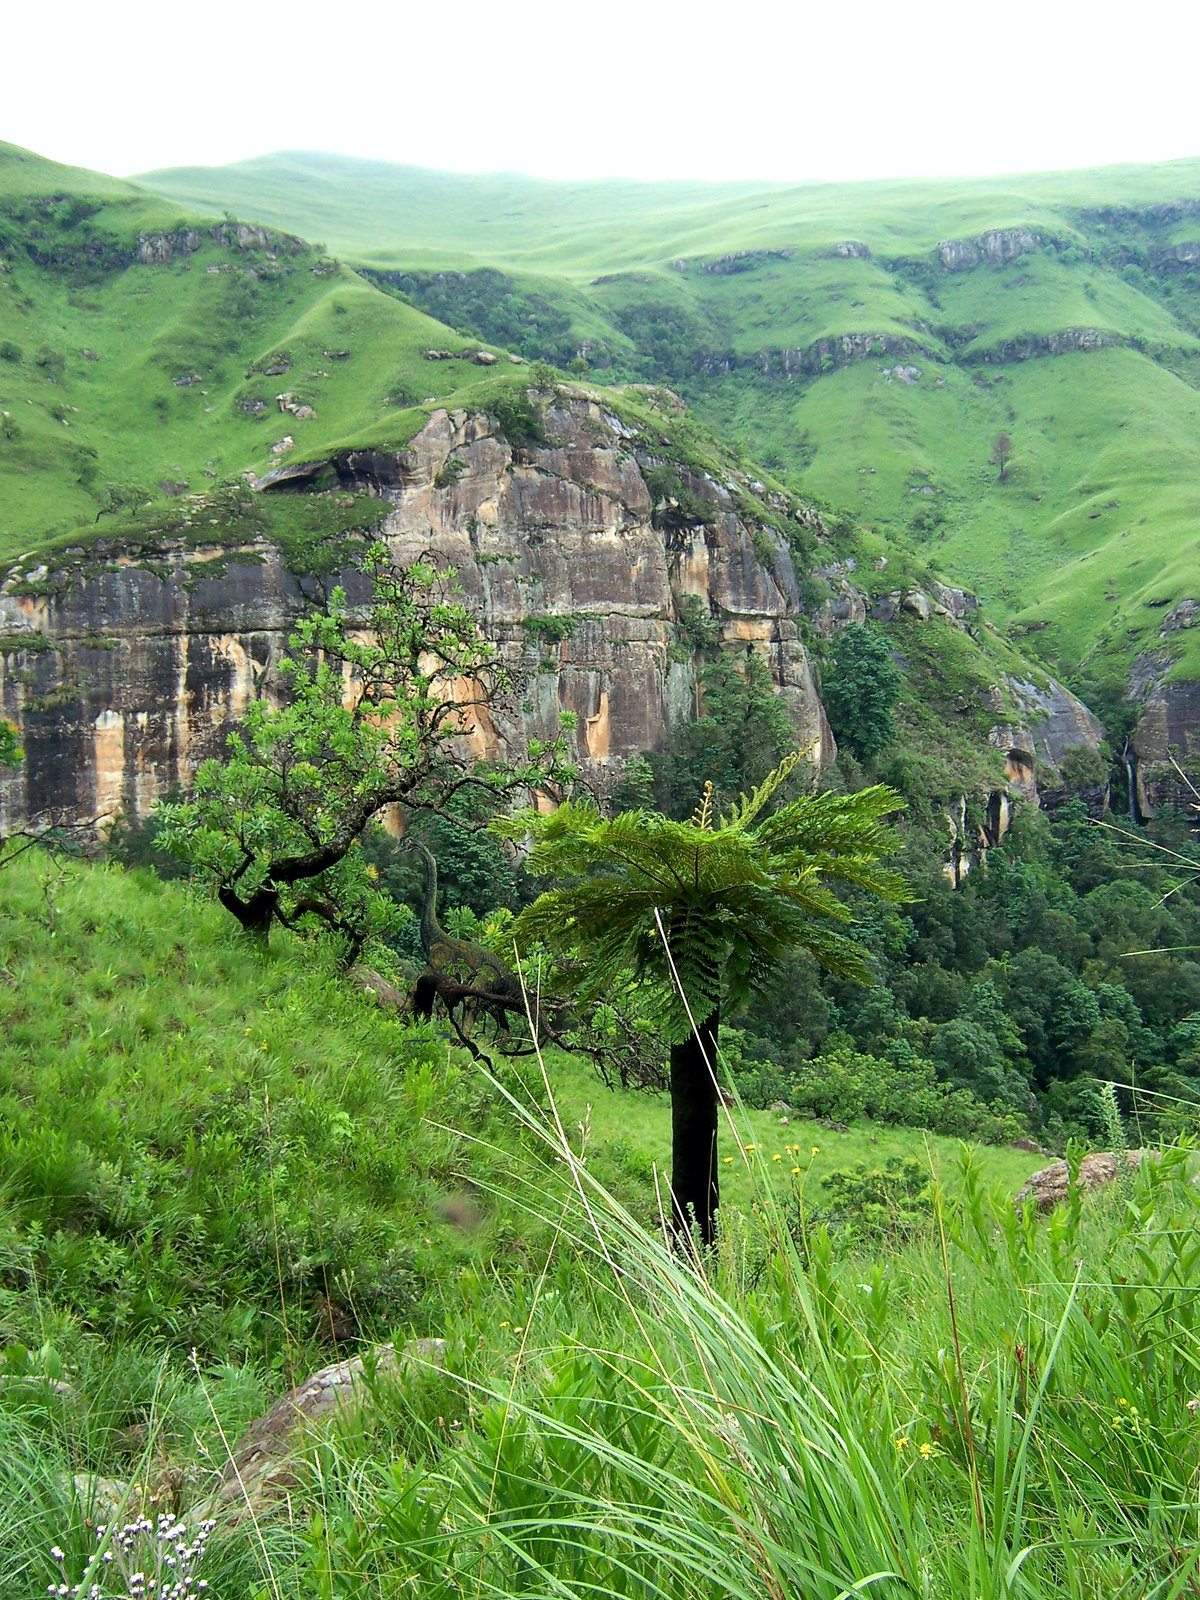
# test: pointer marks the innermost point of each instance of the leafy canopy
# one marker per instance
(860, 687)
(734, 894)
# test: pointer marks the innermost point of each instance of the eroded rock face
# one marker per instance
(124, 674)
(823, 355)
(1167, 731)
(1032, 346)
(998, 246)
(1052, 721)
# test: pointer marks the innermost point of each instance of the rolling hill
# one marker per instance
(144, 354)
(873, 339)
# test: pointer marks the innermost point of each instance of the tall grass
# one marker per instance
(974, 1406)
(998, 1410)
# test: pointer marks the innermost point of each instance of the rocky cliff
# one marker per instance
(127, 667)
(125, 671)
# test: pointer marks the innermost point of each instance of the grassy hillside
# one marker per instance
(194, 1142)
(241, 1157)
(784, 313)
(377, 210)
(134, 348)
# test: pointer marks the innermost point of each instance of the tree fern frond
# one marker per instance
(748, 806)
(702, 815)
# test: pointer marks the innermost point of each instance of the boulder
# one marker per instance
(1050, 1186)
(384, 993)
(1180, 616)
(262, 1465)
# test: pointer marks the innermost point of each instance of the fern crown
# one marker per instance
(734, 894)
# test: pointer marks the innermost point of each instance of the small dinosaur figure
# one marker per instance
(462, 959)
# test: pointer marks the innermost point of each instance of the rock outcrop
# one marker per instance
(998, 246)
(1051, 1186)
(124, 672)
(1051, 722)
(1032, 346)
(823, 355)
(1167, 732)
(262, 1465)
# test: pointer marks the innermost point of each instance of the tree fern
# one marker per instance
(703, 912)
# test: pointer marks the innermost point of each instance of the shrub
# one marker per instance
(860, 687)
(899, 1087)
(874, 1205)
(518, 421)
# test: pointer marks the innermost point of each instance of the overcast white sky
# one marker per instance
(638, 88)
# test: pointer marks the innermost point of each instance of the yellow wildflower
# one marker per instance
(902, 1442)
(776, 1158)
(816, 1149)
(925, 1448)
(728, 1160)
(795, 1170)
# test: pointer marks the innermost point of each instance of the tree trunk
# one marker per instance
(694, 1191)
(256, 913)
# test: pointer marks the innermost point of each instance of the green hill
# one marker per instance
(874, 338)
(142, 352)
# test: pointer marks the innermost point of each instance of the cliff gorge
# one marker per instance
(126, 665)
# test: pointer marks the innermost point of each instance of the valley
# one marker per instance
(871, 339)
(769, 610)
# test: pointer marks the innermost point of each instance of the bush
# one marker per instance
(860, 686)
(11, 352)
(901, 1088)
(874, 1205)
(518, 421)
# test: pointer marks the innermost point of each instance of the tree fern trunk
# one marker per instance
(694, 1192)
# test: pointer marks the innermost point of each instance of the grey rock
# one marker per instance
(263, 1463)
(1180, 616)
(1051, 1186)
(998, 246)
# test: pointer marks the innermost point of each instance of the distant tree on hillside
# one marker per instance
(1002, 449)
(859, 687)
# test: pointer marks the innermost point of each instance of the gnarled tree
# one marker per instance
(373, 713)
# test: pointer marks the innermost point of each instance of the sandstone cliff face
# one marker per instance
(1167, 730)
(125, 674)
(1051, 722)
